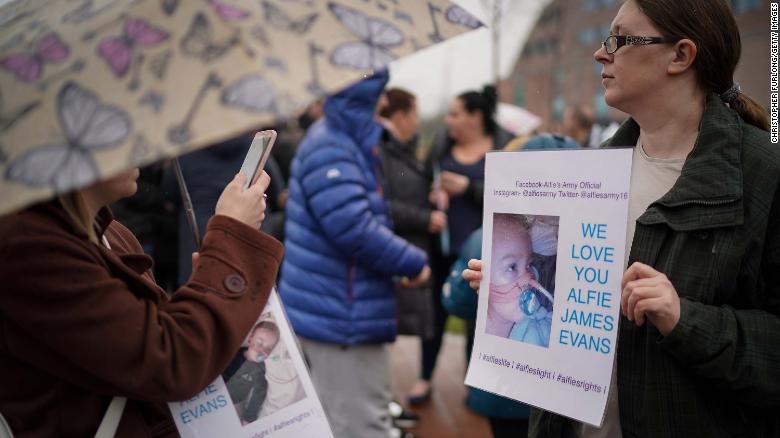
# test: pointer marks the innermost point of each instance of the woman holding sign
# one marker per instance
(697, 353)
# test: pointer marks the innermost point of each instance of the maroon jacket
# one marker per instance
(80, 323)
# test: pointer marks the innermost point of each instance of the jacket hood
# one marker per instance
(352, 110)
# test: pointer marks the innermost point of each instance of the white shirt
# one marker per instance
(651, 179)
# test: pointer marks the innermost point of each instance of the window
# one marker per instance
(588, 37)
(559, 75)
(551, 45)
(595, 5)
(519, 92)
(589, 5)
(540, 47)
(741, 6)
(559, 104)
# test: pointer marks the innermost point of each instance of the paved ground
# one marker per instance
(445, 415)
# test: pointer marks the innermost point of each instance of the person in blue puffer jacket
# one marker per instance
(341, 257)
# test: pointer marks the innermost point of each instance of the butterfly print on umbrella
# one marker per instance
(89, 125)
(182, 132)
(315, 87)
(158, 64)
(251, 93)
(152, 99)
(118, 51)
(228, 12)
(259, 33)
(74, 67)
(435, 36)
(306, 2)
(143, 151)
(274, 63)
(279, 19)
(403, 16)
(416, 44)
(27, 67)
(38, 27)
(377, 36)
(10, 15)
(9, 119)
(86, 11)
(199, 41)
(169, 6)
(457, 15)
(12, 43)
(135, 75)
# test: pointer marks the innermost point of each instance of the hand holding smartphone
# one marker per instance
(258, 154)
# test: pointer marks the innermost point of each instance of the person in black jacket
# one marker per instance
(456, 165)
(414, 218)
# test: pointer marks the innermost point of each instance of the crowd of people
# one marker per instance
(376, 230)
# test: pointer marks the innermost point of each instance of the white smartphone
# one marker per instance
(258, 154)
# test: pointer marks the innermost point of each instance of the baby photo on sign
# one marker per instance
(522, 277)
(262, 379)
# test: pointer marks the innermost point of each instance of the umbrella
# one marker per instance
(89, 88)
(467, 62)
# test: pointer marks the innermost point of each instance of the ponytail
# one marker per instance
(751, 111)
(484, 102)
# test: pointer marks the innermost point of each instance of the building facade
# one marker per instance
(557, 69)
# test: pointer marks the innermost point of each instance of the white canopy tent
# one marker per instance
(438, 74)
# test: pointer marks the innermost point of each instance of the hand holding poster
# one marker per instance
(266, 390)
(554, 233)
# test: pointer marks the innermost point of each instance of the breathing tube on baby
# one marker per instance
(532, 294)
(258, 354)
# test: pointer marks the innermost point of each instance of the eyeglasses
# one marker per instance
(614, 42)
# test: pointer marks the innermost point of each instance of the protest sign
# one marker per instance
(266, 391)
(554, 234)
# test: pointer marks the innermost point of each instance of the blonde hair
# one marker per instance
(76, 207)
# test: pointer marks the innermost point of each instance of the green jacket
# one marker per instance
(716, 235)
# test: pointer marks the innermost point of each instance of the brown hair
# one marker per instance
(710, 24)
(398, 99)
(76, 207)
